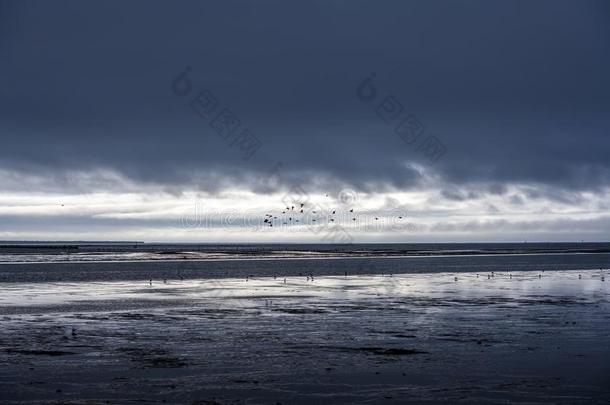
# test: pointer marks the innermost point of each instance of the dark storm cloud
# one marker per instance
(517, 91)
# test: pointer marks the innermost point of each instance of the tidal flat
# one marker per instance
(503, 337)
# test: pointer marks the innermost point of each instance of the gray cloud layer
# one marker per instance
(517, 91)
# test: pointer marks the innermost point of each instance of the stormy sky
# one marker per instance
(189, 121)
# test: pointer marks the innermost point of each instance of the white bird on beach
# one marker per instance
(69, 331)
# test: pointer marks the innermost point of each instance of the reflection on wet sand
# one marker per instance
(332, 339)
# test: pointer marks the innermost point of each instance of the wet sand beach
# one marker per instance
(507, 337)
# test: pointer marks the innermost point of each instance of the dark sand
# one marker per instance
(421, 338)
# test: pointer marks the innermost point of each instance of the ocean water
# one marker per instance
(113, 262)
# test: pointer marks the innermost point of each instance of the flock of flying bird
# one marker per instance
(297, 215)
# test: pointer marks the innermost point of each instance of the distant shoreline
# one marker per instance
(303, 257)
(155, 251)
